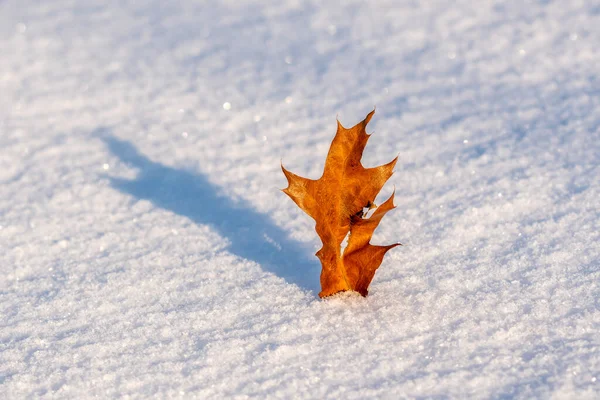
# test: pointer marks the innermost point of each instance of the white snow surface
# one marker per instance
(147, 252)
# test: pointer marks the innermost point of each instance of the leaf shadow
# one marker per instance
(251, 235)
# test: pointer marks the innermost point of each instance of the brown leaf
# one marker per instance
(336, 202)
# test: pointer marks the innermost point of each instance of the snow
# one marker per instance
(146, 251)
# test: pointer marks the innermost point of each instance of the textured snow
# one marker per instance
(146, 251)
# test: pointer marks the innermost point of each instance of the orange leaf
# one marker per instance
(336, 202)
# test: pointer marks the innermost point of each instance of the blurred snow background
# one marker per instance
(146, 251)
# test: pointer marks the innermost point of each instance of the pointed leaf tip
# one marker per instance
(368, 117)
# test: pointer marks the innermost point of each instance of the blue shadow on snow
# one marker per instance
(252, 235)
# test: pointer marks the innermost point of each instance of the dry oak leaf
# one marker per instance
(336, 202)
